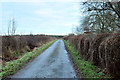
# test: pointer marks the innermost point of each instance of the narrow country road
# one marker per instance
(52, 63)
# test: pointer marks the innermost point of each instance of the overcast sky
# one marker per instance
(42, 17)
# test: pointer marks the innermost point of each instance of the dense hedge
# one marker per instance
(103, 50)
(14, 46)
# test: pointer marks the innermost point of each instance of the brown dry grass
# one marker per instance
(15, 46)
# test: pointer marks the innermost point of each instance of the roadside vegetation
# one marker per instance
(12, 66)
(14, 46)
(97, 37)
(102, 50)
(87, 69)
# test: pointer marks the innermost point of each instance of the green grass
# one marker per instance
(13, 66)
(88, 70)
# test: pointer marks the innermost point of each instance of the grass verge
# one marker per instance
(87, 69)
(13, 66)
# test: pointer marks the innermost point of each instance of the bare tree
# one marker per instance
(12, 27)
(103, 17)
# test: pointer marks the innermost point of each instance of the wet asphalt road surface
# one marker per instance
(52, 63)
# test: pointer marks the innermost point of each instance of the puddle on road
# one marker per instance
(54, 54)
(56, 67)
